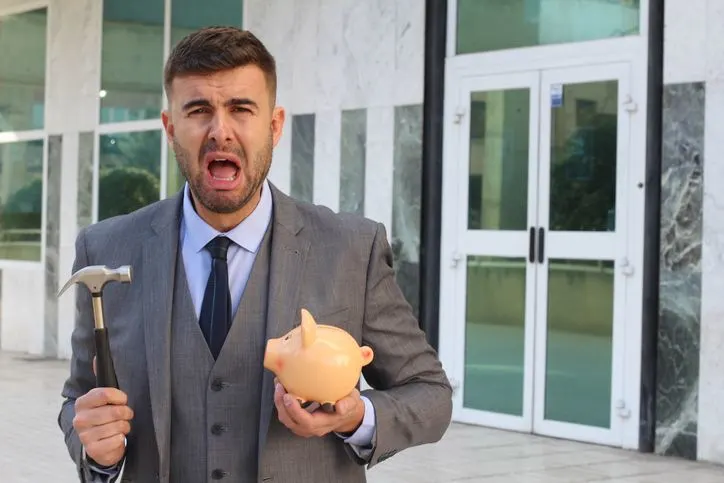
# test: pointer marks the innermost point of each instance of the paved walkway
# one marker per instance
(32, 449)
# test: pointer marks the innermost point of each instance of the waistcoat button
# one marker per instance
(217, 429)
(217, 385)
(218, 474)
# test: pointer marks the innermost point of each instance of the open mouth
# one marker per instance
(223, 167)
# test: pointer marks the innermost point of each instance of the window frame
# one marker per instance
(452, 34)
(130, 127)
(9, 137)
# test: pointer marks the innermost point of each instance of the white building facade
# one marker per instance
(546, 170)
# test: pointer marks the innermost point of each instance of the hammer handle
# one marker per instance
(105, 372)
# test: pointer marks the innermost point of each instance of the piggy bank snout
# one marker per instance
(271, 353)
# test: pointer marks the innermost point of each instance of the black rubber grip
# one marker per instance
(105, 372)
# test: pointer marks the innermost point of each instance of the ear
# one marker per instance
(277, 124)
(367, 355)
(167, 124)
(309, 329)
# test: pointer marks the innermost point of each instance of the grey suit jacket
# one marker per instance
(337, 265)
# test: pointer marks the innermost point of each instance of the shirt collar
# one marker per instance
(248, 234)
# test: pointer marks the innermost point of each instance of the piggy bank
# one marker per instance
(317, 363)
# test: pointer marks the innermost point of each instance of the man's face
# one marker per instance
(223, 128)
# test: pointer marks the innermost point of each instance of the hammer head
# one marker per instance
(95, 277)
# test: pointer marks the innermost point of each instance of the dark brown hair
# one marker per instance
(214, 49)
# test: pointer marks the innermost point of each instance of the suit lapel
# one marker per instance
(157, 280)
(288, 253)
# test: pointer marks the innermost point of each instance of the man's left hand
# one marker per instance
(347, 416)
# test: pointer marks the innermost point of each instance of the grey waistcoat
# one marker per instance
(216, 404)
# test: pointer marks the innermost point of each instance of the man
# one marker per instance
(220, 268)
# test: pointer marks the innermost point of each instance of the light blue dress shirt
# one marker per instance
(194, 234)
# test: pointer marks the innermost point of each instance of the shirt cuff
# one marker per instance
(364, 437)
(101, 474)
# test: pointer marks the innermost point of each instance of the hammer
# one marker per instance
(95, 277)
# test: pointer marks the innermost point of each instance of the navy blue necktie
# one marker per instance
(215, 318)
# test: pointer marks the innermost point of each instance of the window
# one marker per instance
(488, 25)
(22, 136)
(134, 162)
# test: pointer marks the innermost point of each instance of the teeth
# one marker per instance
(231, 178)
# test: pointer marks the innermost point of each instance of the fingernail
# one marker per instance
(287, 400)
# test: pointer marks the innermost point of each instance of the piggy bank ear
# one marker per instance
(367, 355)
(309, 329)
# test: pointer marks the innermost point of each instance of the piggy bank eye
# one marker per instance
(287, 337)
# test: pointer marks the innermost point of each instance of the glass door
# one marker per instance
(532, 311)
(495, 286)
(581, 245)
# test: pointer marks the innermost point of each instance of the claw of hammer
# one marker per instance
(96, 276)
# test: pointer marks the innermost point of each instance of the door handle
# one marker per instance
(531, 246)
(541, 244)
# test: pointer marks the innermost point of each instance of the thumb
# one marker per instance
(343, 406)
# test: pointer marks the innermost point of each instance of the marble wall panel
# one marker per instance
(680, 269)
(407, 185)
(302, 176)
(328, 125)
(352, 159)
(85, 178)
(52, 242)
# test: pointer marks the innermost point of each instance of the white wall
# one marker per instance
(344, 54)
(711, 365)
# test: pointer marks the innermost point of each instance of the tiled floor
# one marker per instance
(32, 449)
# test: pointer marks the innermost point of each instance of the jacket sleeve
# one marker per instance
(410, 391)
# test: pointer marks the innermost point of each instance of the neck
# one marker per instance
(224, 222)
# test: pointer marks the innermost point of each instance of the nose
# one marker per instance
(220, 130)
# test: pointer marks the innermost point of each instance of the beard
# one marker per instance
(224, 202)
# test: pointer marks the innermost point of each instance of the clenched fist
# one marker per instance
(102, 421)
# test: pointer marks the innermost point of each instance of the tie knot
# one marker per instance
(218, 247)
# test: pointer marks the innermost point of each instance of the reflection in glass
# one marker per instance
(190, 15)
(174, 179)
(129, 176)
(487, 25)
(131, 60)
(583, 158)
(22, 70)
(498, 179)
(579, 342)
(495, 334)
(353, 147)
(21, 200)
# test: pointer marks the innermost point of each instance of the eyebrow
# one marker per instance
(235, 101)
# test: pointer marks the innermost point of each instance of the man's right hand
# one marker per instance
(102, 421)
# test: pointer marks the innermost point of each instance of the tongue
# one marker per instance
(222, 169)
